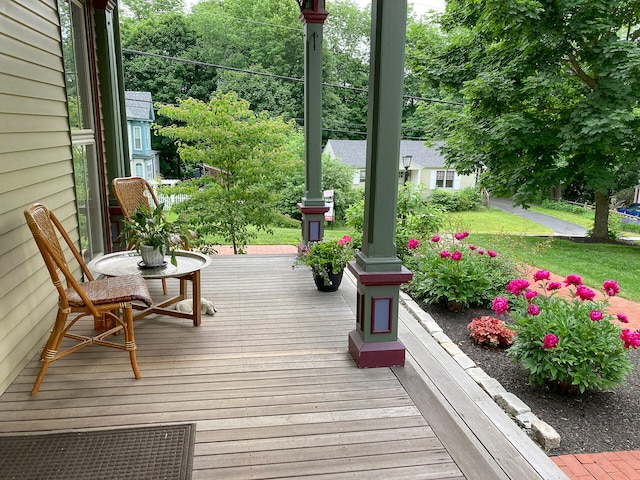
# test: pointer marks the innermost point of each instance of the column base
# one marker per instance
(375, 354)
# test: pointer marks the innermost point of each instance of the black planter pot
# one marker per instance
(334, 281)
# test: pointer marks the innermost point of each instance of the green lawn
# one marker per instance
(494, 221)
(595, 263)
(582, 220)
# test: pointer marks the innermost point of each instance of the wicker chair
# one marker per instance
(133, 193)
(97, 298)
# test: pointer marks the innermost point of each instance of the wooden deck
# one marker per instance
(274, 393)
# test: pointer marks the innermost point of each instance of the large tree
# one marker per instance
(551, 91)
(249, 152)
(164, 36)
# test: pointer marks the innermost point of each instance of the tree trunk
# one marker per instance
(601, 222)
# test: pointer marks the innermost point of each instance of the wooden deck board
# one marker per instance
(268, 380)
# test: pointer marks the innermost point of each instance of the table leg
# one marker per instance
(197, 308)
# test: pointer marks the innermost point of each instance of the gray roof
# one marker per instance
(354, 153)
(139, 106)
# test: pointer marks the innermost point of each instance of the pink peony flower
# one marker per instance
(533, 309)
(445, 254)
(623, 318)
(412, 244)
(549, 341)
(480, 251)
(500, 305)
(541, 275)
(472, 247)
(457, 255)
(461, 235)
(630, 339)
(345, 240)
(435, 238)
(554, 286)
(530, 294)
(573, 279)
(517, 286)
(491, 253)
(611, 287)
(596, 315)
(584, 293)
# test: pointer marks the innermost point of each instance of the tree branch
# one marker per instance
(582, 75)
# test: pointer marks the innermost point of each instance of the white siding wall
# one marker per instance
(35, 166)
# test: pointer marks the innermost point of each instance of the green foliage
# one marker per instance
(450, 271)
(250, 154)
(457, 201)
(338, 177)
(148, 226)
(141, 9)
(328, 256)
(567, 207)
(563, 341)
(171, 35)
(491, 332)
(415, 218)
(335, 176)
(550, 90)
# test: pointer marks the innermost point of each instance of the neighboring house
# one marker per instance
(427, 165)
(140, 116)
(62, 139)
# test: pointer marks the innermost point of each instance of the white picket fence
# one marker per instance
(170, 200)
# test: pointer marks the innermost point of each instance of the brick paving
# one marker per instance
(584, 466)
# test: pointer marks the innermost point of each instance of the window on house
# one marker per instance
(363, 175)
(444, 178)
(137, 138)
(80, 103)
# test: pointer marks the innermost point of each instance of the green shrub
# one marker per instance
(284, 221)
(568, 342)
(567, 207)
(450, 271)
(456, 201)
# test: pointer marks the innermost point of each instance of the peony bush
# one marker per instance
(570, 342)
(449, 270)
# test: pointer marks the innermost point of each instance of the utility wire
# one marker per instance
(271, 75)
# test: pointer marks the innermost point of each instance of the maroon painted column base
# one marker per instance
(376, 354)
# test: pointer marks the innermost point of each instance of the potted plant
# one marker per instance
(153, 236)
(327, 260)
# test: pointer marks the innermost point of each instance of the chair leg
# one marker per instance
(129, 338)
(50, 350)
(164, 286)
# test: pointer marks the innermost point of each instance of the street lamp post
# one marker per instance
(406, 163)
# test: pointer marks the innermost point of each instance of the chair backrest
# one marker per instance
(45, 228)
(133, 193)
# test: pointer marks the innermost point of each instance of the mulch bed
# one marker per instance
(589, 423)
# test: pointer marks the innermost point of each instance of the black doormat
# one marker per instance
(141, 453)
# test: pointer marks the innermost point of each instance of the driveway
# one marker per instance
(559, 227)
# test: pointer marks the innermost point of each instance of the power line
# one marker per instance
(271, 75)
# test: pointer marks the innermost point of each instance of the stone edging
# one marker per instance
(543, 433)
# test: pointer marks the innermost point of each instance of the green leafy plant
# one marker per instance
(326, 257)
(448, 270)
(148, 226)
(569, 342)
(491, 331)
